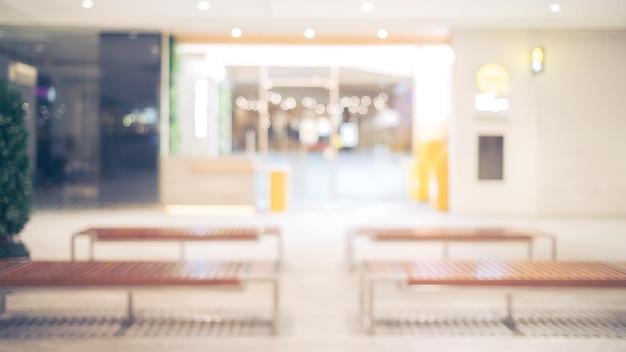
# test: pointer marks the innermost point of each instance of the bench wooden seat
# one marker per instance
(488, 273)
(175, 234)
(169, 234)
(8, 263)
(444, 235)
(129, 276)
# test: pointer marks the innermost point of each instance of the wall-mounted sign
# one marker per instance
(23, 74)
(492, 81)
(490, 158)
(492, 78)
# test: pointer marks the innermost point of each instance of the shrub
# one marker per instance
(15, 182)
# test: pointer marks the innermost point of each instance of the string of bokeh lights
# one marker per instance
(354, 104)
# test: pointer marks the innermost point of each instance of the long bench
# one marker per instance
(444, 235)
(131, 276)
(176, 234)
(488, 273)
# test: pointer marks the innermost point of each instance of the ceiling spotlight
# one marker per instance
(203, 5)
(309, 33)
(555, 8)
(382, 34)
(367, 7)
(236, 32)
(87, 4)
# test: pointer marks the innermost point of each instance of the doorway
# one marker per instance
(340, 117)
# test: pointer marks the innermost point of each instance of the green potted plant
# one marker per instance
(15, 182)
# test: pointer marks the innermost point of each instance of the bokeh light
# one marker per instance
(236, 32)
(367, 7)
(309, 33)
(203, 5)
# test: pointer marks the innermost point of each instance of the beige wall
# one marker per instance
(201, 181)
(565, 138)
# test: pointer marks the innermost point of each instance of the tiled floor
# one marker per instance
(318, 295)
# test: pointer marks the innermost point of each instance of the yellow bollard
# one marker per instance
(278, 190)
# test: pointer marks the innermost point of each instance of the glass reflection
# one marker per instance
(92, 96)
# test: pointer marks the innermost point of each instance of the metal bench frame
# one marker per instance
(369, 281)
(92, 235)
(370, 233)
(243, 278)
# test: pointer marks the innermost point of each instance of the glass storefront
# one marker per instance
(340, 117)
(93, 102)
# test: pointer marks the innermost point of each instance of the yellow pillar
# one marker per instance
(423, 170)
(431, 168)
(278, 190)
(441, 172)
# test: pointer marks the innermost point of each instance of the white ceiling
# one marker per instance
(325, 16)
(292, 17)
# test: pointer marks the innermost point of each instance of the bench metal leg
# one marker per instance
(370, 306)
(508, 319)
(279, 248)
(130, 314)
(362, 297)
(350, 250)
(3, 302)
(73, 248)
(91, 244)
(554, 247)
(276, 308)
(366, 302)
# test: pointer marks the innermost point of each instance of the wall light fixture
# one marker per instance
(537, 56)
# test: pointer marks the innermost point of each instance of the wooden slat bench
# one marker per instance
(176, 234)
(132, 276)
(444, 235)
(487, 273)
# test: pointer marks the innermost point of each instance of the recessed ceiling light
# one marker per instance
(236, 32)
(382, 34)
(87, 4)
(555, 8)
(203, 5)
(309, 33)
(367, 7)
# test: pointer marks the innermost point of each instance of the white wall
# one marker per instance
(565, 140)
(515, 193)
(582, 129)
